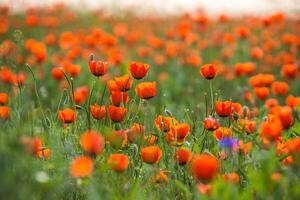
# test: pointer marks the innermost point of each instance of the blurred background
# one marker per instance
(233, 7)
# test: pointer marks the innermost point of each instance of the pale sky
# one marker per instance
(173, 6)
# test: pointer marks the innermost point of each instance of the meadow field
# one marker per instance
(95, 105)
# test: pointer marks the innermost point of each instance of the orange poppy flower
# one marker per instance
(116, 114)
(138, 70)
(81, 166)
(67, 115)
(92, 142)
(261, 80)
(135, 133)
(151, 154)
(57, 73)
(150, 139)
(146, 90)
(231, 177)
(222, 132)
(81, 94)
(223, 108)
(257, 53)
(6, 75)
(183, 156)
(292, 101)
(211, 124)
(242, 32)
(118, 97)
(272, 128)
(204, 167)
(124, 83)
(280, 88)
(98, 112)
(286, 116)
(244, 68)
(4, 112)
(271, 103)
(160, 177)
(262, 92)
(247, 125)
(178, 133)
(112, 85)
(204, 189)
(208, 71)
(117, 139)
(44, 153)
(245, 147)
(164, 124)
(119, 162)
(3, 98)
(97, 68)
(289, 71)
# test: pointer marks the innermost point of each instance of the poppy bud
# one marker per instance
(151, 154)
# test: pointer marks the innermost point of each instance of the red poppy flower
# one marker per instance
(208, 71)
(146, 90)
(138, 70)
(116, 114)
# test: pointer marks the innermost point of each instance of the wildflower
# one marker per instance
(231, 177)
(183, 156)
(165, 123)
(81, 94)
(57, 73)
(118, 97)
(135, 133)
(43, 153)
(247, 125)
(151, 154)
(119, 162)
(230, 143)
(262, 92)
(138, 70)
(97, 68)
(222, 132)
(208, 71)
(116, 114)
(146, 90)
(67, 115)
(81, 166)
(280, 88)
(271, 128)
(223, 108)
(4, 112)
(204, 167)
(124, 83)
(178, 133)
(92, 142)
(211, 124)
(4, 98)
(117, 139)
(289, 71)
(98, 112)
